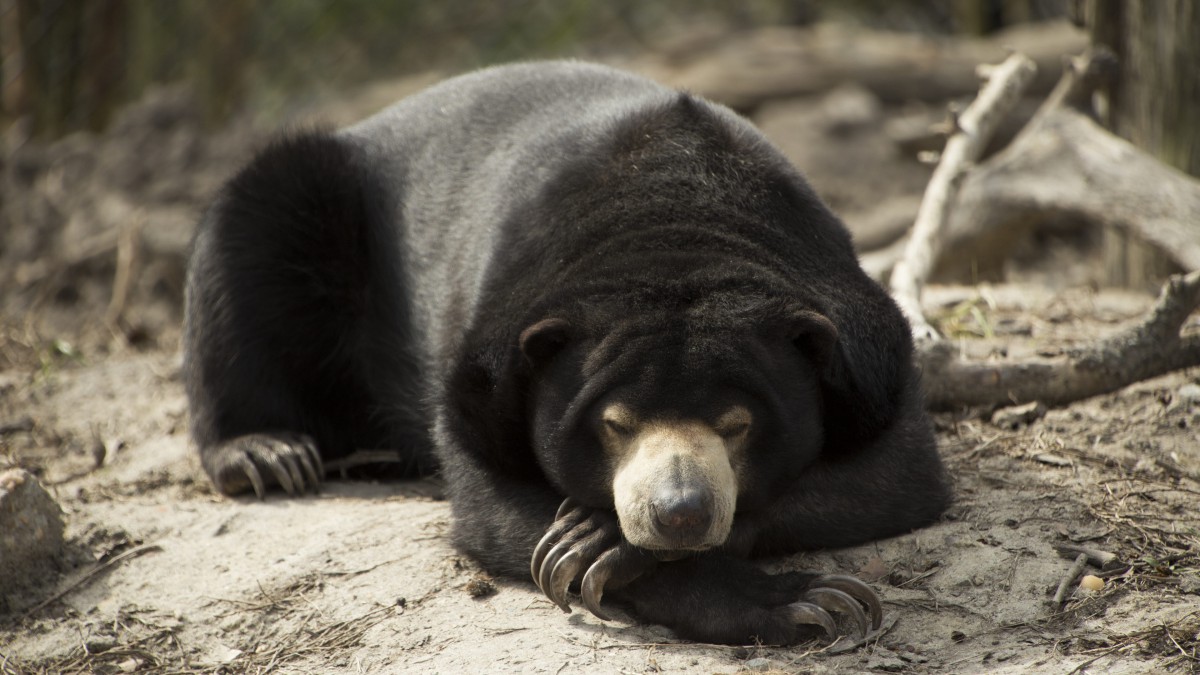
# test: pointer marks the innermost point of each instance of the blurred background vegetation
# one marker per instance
(68, 64)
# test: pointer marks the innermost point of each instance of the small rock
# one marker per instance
(1189, 584)
(98, 644)
(1189, 393)
(889, 663)
(1018, 415)
(221, 654)
(480, 586)
(759, 665)
(31, 534)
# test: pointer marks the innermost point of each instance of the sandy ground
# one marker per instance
(362, 579)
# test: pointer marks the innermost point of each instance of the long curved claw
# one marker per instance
(808, 613)
(565, 508)
(561, 577)
(539, 554)
(549, 541)
(292, 464)
(855, 589)
(251, 472)
(276, 463)
(546, 574)
(592, 588)
(305, 462)
(831, 599)
(262, 460)
(310, 461)
(580, 539)
(284, 476)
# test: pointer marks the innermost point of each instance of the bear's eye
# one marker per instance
(618, 420)
(733, 423)
(613, 426)
(733, 430)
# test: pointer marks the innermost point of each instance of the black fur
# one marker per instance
(297, 318)
(370, 289)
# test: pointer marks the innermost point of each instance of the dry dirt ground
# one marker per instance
(163, 575)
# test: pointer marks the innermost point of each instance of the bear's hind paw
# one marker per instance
(262, 460)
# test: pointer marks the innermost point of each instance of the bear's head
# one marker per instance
(676, 422)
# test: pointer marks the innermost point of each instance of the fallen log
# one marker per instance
(1153, 347)
(784, 62)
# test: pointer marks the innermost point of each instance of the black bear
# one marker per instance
(634, 342)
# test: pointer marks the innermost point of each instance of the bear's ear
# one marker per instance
(861, 379)
(544, 339)
(814, 333)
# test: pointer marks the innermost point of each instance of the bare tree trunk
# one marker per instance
(221, 73)
(62, 62)
(1152, 102)
(102, 69)
(15, 100)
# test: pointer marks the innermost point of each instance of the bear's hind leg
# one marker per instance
(297, 343)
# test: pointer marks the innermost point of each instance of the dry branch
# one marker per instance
(1097, 558)
(974, 128)
(1060, 596)
(1071, 170)
(1064, 167)
(1061, 166)
(1151, 348)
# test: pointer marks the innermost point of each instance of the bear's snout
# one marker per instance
(682, 513)
(674, 485)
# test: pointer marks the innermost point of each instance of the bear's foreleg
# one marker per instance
(893, 485)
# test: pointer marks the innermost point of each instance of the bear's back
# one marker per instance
(456, 160)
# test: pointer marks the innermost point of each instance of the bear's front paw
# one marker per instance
(585, 540)
(722, 599)
(842, 594)
(259, 461)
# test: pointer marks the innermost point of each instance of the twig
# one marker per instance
(974, 128)
(1103, 560)
(1060, 596)
(848, 644)
(1081, 77)
(93, 573)
(129, 244)
(1107, 652)
(1127, 641)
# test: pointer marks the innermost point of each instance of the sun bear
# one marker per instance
(623, 328)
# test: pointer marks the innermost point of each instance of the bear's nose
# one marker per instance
(681, 513)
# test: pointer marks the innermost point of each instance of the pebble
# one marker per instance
(1189, 393)
(759, 665)
(1018, 416)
